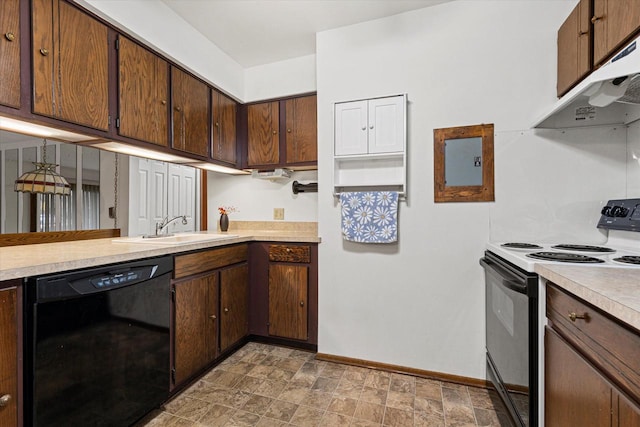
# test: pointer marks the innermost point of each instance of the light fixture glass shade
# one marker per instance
(43, 180)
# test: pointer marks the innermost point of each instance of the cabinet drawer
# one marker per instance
(609, 344)
(287, 253)
(198, 262)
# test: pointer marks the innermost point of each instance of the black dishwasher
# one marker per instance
(97, 344)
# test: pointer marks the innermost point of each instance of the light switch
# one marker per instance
(278, 213)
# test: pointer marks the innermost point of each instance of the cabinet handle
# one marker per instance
(364, 128)
(596, 19)
(582, 33)
(301, 303)
(10, 36)
(44, 52)
(573, 316)
(213, 316)
(4, 400)
(288, 130)
(274, 132)
(217, 124)
(178, 109)
(226, 310)
(371, 127)
(288, 250)
(163, 102)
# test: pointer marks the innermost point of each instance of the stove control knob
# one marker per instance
(606, 211)
(618, 211)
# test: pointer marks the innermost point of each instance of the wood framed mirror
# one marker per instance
(463, 164)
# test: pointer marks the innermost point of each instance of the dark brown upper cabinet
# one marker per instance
(574, 47)
(224, 122)
(463, 164)
(143, 94)
(614, 22)
(263, 141)
(302, 130)
(70, 64)
(282, 133)
(190, 113)
(10, 53)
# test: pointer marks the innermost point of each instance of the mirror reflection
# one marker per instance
(28, 212)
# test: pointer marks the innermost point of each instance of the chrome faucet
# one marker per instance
(165, 223)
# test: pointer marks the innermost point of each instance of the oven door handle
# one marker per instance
(503, 276)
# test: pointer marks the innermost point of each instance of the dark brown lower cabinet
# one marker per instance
(592, 374)
(288, 301)
(196, 325)
(234, 304)
(210, 307)
(575, 393)
(8, 358)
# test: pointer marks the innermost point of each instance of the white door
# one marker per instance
(147, 195)
(386, 125)
(351, 128)
(181, 197)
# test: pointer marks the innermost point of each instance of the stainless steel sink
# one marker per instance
(176, 239)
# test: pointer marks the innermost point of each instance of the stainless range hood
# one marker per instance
(608, 96)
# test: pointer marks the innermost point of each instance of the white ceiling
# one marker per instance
(256, 32)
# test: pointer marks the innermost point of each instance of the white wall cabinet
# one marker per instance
(370, 144)
(370, 126)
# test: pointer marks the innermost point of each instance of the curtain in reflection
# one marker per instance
(90, 207)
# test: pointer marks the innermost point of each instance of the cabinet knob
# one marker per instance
(10, 36)
(364, 128)
(163, 102)
(178, 109)
(301, 303)
(288, 130)
(217, 124)
(596, 19)
(213, 316)
(582, 33)
(44, 52)
(274, 132)
(226, 310)
(4, 400)
(573, 316)
(288, 250)
(371, 127)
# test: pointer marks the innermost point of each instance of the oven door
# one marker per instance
(511, 337)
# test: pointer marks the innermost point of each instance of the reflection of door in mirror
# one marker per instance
(24, 212)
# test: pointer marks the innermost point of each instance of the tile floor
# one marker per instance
(264, 385)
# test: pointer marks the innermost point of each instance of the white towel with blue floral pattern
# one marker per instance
(370, 216)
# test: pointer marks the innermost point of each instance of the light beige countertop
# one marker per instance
(613, 290)
(34, 260)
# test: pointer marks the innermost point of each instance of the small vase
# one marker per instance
(224, 222)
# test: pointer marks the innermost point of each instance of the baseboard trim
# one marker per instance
(283, 342)
(457, 379)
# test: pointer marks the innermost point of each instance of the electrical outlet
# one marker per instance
(278, 213)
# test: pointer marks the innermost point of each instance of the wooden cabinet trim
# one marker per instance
(198, 262)
(604, 341)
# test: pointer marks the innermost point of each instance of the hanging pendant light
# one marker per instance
(44, 179)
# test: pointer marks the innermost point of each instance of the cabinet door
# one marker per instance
(575, 393)
(288, 301)
(386, 125)
(190, 99)
(143, 79)
(351, 128)
(302, 133)
(263, 140)
(234, 301)
(70, 64)
(627, 413)
(10, 53)
(8, 357)
(195, 335)
(614, 21)
(224, 128)
(574, 47)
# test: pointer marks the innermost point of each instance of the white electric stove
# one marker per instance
(622, 220)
